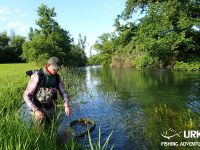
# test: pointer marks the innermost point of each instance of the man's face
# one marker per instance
(51, 70)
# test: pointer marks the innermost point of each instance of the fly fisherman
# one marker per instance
(41, 92)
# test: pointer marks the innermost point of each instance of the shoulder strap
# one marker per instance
(30, 72)
(41, 77)
(57, 80)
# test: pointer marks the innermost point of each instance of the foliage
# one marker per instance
(42, 59)
(107, 46)
(52, 40)
(192, 66)
(168, 32)
(122, 60)
(78, 57)
(143, 61)
(94, 60)
(10, 47)
(82, 42)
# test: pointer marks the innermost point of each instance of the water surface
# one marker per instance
(116, 99)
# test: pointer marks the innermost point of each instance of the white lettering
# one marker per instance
(169, 144)
(189, 143)
(186, 135)
(183, 143)
(192, 134)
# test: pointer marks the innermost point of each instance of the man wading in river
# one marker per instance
(41, 92)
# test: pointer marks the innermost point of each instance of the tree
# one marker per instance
(82, 42)
(168, 32)
(77, 53)
(106, 46)
(48, 40)
(15, 45)
(4, 50)
(10, 48)
(78, 56)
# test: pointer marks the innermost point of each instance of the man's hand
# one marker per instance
(67, 106)
(67, 110)
(39, 115)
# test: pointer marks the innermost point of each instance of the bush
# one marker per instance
(182, 66)
(42, 59)
(144, 60)
(123, 60)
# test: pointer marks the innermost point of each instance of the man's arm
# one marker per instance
(64, 96)
(29, 92)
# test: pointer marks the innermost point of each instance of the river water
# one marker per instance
(116, 100)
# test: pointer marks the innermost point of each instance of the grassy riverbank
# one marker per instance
(14, 135)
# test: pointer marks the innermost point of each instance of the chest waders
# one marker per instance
(46, 92)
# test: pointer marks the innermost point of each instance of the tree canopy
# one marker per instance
(48, 40)
(169, 32)
(10, 48)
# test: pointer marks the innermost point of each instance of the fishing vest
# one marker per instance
(46, 92)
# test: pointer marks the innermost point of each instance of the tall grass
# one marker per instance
(97, 145)
(162, 118)
(15, 135)
(73, 79)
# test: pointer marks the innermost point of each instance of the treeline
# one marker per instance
(167, 36)
(48, 40)
(10, 48)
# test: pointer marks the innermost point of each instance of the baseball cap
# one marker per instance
(55, 62)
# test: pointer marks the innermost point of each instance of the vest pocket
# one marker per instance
(44, 95)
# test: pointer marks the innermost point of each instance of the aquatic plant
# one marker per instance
(162, 119)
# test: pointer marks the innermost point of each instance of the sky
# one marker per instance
(90, 18)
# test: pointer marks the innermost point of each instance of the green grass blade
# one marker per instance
(99, 140)
(107, 140)
(90, 141)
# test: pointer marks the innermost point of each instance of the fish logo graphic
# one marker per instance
(172, 134)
